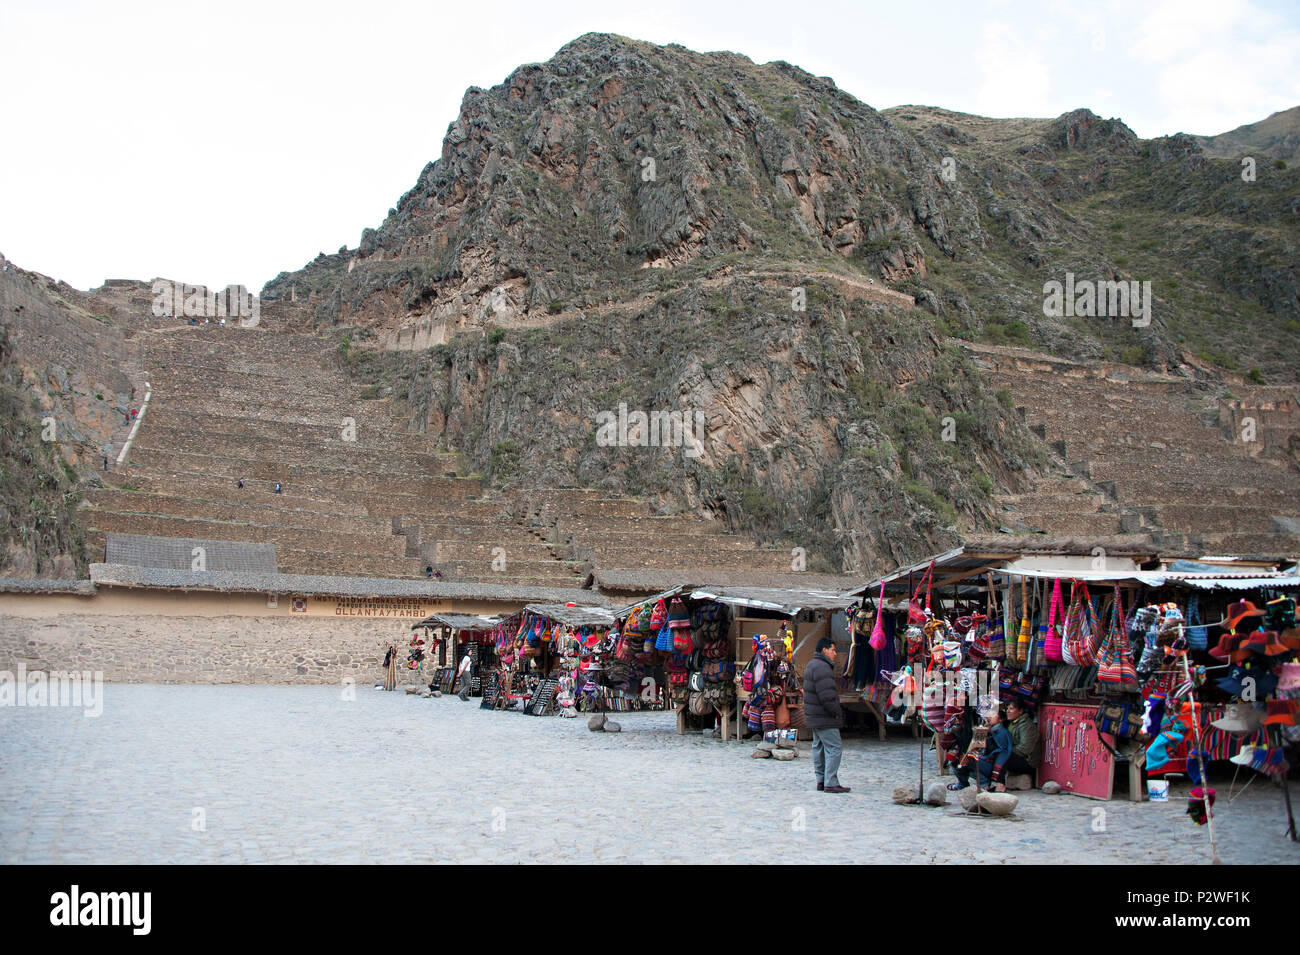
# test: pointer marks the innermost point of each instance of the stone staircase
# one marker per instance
(1144, 453)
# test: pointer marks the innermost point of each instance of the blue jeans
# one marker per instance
(826, 756)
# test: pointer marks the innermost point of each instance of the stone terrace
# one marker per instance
(361, 494)
(1139, 452)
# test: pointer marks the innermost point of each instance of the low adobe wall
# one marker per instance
(163, 637)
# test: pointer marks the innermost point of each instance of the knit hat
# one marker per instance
(678, 618)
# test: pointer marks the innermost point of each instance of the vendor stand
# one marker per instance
(448, 635)
(550, 658)
(1126, 656)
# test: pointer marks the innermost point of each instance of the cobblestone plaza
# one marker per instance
(270, 774)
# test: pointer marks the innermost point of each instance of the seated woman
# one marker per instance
(989, 750)
(1024, 739)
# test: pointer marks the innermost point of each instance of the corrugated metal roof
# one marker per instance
(779, 599)
(574, 616)
(458, 621)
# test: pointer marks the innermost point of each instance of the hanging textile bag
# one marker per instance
(1052, 640)
(1080, 623)
(1198, 635)
(1115, 669)
(916, 614)
(1025, 640)
(877, 640)
(1069, 636)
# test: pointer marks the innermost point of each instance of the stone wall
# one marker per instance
(234, 649)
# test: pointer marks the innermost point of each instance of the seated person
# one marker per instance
(995, 742)
(1024, 739)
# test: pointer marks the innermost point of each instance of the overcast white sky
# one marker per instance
(225, 142)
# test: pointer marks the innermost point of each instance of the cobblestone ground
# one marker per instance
(297, 774)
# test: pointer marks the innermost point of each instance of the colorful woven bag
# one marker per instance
(1052, 640)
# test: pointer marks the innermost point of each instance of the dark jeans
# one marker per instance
(1018, 764)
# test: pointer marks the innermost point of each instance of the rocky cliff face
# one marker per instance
(632, 224)
(64, 362)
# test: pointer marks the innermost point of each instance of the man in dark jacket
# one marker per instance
(823, 715)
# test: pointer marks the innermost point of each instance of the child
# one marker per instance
(991, 748)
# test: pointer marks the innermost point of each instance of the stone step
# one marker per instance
(699, 560)
(486, 549)
(569, 528)
(1275, 545)
(1196, 518)
(215, 467)
(332, 451)
(373, 431)
(1176, 492)
(1085, 503)
(360, 503)
(479, 530)
(271, 512)
(567, 571)
(610, 507)
(154, 525)
(196, 382)
(347, 565)
(598, 543)
(229, 399)
(1059, 523)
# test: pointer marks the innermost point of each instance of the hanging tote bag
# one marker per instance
(1080, 623)
(1115, 668)
(877, 640)
(1070, 636)
(1052, 639)
(1025, 641)
(916, 615)
(997, 643)
(1197, 633)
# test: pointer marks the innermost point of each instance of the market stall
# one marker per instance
(446, 638)
(1128, 658)
(553, 658)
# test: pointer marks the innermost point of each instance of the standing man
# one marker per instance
(463, 674)
(824, 716)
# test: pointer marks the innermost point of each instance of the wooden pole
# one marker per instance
(1200, 760)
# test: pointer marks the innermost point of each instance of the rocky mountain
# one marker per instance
(844, 297)
(628, 223)
(1277, 137)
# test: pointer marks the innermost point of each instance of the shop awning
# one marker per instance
(782, 601)
(458, 621)
(573, 616)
